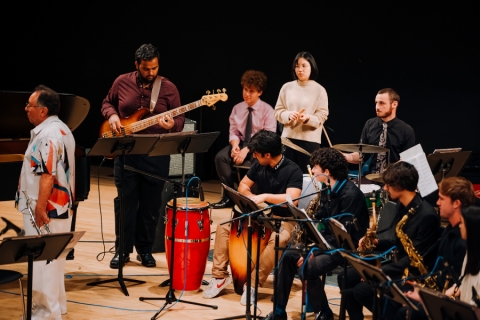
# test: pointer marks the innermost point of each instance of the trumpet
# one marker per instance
(32, 216)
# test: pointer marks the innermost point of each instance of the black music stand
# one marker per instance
(247, 205)
(441, 307)
(444, 165)
(182, 142)
(313, 235)
(381, 283)
(34, 248)
(135, 144)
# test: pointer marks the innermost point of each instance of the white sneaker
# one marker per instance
(243, 300)
(215, 286)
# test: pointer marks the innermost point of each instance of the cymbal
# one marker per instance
(365, 148)
(292, 145)
(375, 177)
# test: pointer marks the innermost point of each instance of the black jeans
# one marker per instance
(142, 198)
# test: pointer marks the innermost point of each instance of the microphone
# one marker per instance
(11, 226)
(200, 191)
(452, 273)
(328, 184)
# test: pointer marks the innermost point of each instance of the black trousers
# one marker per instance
(298, 157)
(142, 198)
(316, 267)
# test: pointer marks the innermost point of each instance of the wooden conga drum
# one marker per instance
(237, 248)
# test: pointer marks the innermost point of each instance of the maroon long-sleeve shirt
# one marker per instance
(127, 95)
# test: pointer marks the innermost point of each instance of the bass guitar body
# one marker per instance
(126, 123)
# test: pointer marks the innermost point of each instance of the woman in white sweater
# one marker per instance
(302, 108)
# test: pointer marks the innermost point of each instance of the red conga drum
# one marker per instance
(237, 248)
(192, 242)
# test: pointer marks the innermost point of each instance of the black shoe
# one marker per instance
(147, 260)
(324, 315)
(114, 262)
(273, 316)
(224, 203)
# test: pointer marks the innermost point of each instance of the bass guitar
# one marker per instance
(134, 122)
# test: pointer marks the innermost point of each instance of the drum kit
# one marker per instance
(369, 190)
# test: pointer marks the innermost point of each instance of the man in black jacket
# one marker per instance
(421, 227)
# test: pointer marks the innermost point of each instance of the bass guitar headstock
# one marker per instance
(211, 99)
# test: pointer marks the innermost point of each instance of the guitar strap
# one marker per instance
(155, 92)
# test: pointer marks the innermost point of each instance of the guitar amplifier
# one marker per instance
(176, 159)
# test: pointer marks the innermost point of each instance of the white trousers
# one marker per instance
(48, 287)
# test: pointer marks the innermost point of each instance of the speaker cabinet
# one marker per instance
(176, 159)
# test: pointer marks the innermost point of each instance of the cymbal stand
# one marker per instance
(360, 165)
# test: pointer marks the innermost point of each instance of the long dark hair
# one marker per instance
(471, 217)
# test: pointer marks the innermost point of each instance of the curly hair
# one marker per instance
(458, 188)
(401, 176)
(256, 79)
(331, 159)
(146, 52)
(48, 99)
(265, 141)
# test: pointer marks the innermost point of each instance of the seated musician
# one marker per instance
(274, 176)
(253, 83)
(421, 227)
(455, 193)
(385, 130)
(330, 166)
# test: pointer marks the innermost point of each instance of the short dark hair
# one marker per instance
(471, 217)
(253, 78)
(313, 65)
(392, 94)
(331, 159)
(401, 176)
(48, 99)
(458, 188)
(146, 52)
(265, 141)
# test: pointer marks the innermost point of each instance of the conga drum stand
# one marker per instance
(173, 144)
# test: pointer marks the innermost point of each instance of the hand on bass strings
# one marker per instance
(166, 122)
(114, 122)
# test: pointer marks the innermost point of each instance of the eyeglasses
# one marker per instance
(27, 105)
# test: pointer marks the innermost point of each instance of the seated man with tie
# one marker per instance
(247, 117)
(387, 131)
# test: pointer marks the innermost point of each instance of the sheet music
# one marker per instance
(416, 157)
(302, 214)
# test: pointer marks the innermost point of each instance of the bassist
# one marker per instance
(130, 92)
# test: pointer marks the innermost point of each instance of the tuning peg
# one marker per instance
(214, 107)
(218, 91)
(224, 90)
(208, 91)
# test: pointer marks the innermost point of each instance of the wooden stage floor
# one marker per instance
(107, 301)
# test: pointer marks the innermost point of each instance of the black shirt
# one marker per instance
(345, 197)
(286, 174)
(422, 227)
(400, 137)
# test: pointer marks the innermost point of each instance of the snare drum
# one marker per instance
(237, 248)
(192, 242)
(368, 190)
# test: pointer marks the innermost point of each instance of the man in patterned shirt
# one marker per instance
(47, 177)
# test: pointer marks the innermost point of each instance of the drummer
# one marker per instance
(274, 176)
(387, 131)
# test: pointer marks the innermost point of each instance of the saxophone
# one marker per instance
(416, 259)
(311, 209)
(368, 243)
